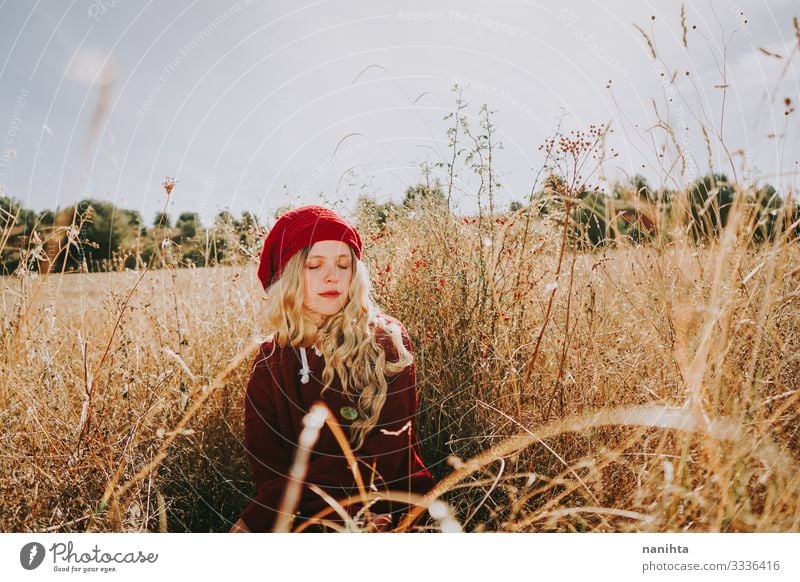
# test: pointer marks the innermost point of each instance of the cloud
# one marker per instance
(92, 66)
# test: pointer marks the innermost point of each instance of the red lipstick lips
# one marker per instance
(330, 294)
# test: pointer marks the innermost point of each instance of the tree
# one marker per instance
(224, 237)
(769, 213)
(281, 210)
(551, 197)
(371, 213)
(225, 219)
(162, 220)
(135, 220)
(187, 224)
(420, 192)
(104, 232)
(590, 220)
(641, 188)
(248, 220)
(710, 201)
(16, 225)
(191, 249)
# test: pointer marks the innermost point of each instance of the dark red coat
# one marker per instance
(275, 404)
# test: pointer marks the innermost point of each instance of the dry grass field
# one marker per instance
(635, 388)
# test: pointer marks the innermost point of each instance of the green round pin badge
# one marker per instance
(348, 412)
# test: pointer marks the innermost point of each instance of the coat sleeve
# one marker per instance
(265, 444)
(382, 458)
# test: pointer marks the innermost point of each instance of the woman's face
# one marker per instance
(328, 272)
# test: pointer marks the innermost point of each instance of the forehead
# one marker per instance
(329, 249)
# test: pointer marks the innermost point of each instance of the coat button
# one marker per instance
(348, 412)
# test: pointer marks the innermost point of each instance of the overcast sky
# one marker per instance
(253, 105)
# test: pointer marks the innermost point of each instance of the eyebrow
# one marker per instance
(324, 257)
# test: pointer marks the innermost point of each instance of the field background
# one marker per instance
(592, 355)
(643, 388)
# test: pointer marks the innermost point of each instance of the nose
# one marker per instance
(331, 274)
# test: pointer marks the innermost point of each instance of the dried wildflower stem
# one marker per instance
(570, 154)
(634, 515)
(413, 499)
(312, 423)
(216, 383)
(453, 135)
(647, 39)
(683, 25)
(163, 526)
(714, 315)
(559, 387)
(337, 507)
(550, 301)
(665, 417)
(71, 232)
(552, 452)
(489, 491)
(352, 462)
(168, 185)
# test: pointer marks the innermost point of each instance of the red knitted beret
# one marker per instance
(300, 228)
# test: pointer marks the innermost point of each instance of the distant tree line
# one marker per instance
(635, 212)
(94, 235)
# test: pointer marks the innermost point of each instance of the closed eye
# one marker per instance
(317, 266)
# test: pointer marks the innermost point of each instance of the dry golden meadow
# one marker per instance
(627, 388)
(637, 388)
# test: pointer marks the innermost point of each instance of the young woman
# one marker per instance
(330, 344)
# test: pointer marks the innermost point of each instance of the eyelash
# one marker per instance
(341, 267)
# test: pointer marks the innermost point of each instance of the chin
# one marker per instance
(325, 312)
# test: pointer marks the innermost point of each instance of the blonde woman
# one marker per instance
(330, 344)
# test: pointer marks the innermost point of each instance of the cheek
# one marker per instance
(315, 282)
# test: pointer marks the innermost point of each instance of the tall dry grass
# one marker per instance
(662, 395)
(642, 389)
(634, 388)
(79, 427)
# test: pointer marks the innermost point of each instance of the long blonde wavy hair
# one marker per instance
(346, 339)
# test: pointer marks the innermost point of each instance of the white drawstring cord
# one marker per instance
(305, 371)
